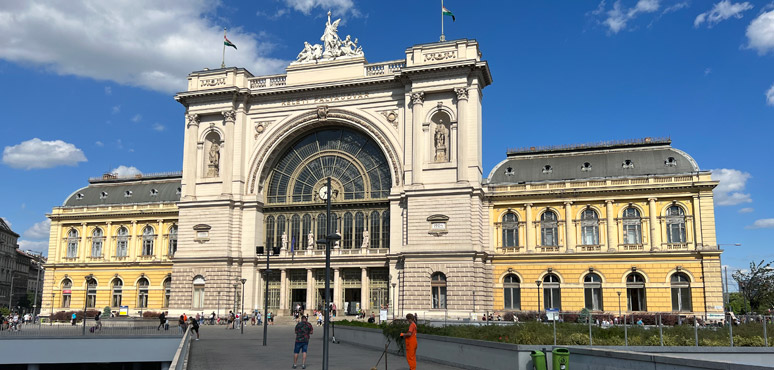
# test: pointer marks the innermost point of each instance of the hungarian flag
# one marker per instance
(229, 43)
(447, 12)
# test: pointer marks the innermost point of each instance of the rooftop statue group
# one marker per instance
(332, 47)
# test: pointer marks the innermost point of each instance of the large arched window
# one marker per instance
(675, 220)
(510, 227)
(167, 291)
(97, 241)
(438, 287)
(67, 290)
(386, 229)
(549, 229)
(632, 226)
(122, 242)
(280, 233)
(72, 243)
(552, 292)
(359, 228)
(91, 293)
(148, 239)
(592, 291)
(322, 229)
(306, 228)
(270, 233)
(635, 292)
(512, 292)
(198, 292)
(142, 293)
(172, 241)
(589, 227)
(347, 232)
(118, 292)
(373, 232)
(681, 292)
(295, 232)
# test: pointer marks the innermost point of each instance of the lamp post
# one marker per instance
(266, 296)
(242, 323)
(537, 282)
(51, 319)
(236, 302)
(85, 300)
(35, 300)
(10, 295)
(619, 304)
(325, 194)
(218, 306)
(392, 304)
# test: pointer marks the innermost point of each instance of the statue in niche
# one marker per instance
(441, 135)
(284, 241)
(310, 241)
(338, 241)
(213, 168)
(366, 238)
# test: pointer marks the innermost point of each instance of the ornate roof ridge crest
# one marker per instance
(332, 48)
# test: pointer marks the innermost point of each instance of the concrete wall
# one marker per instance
(610, 359)
(60, 350)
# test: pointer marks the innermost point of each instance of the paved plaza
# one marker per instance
(227, 349)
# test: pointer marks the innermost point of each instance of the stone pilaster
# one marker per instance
(462, 133)
(417, 101)
(569, 228)
(227, 150)
(655, 230)
(611, 227)
(190, 156)
(364, 299)
(283, 289)
(529, 228)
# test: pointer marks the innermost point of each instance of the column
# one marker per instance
(364, 290)
(259, 293)
(283, 288)
(309, 289)
(529, 228)
(569, 228)
(227, 151)
(417, 99)
(190, 155)
(462, 132)
(611, 228)
(337, 288)
(697, 230)
(655, 229)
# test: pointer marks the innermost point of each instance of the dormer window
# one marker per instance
(154, 192)
(547, 169)
(128, 194)
(586, 167)
(509, 171)
(103, 195)
(627, 164)
(670, 162)
(79, 196)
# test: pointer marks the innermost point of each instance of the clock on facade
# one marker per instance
(323, 193)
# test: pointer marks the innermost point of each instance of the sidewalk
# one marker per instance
(227, 349)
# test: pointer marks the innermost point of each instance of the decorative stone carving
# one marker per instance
(366, 238)
(260, 127)
(193, 119)
(228, 116)
(284, 241)
(391, 116)
(418, 98)
(462, 93)
(310, 241)
(332, 48)
(441, 136)
(338, 241)
(443, 55)
(322, 112)
(213, 167)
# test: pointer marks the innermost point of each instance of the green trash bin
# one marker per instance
(539, 360)
(561, 358)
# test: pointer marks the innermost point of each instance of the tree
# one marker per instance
(757, 285)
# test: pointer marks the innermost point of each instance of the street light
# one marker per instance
(51, 319)
(537, 282)
(218, 307)
(85, 300)
(619, 304)
(242, 321)
(266, 296)
(236, 302)
(392, 304)
(325, 194)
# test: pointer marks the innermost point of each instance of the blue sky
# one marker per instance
(87, 87)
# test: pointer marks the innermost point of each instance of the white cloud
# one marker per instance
(99, 143)
(37, 153)
(116, 109)
(676, 7)
(707, 71)
(338, 6)
(720, 12)
(760, 33)
(39, 230)
(770, 95)
(108, 90)
(729, 190)
(38, 246)
(146, 43)
(6, 221)
(747, 210)
(137, 118)
(124, 171)
(618, 16)
(159, 127)
(764, 223)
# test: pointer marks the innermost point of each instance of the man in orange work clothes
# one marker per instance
(411, 342)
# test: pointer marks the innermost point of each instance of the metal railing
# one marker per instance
(117, 327)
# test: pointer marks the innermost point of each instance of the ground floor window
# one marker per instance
(438, 287)
(198, 292)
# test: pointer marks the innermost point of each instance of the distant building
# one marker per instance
(14, 270)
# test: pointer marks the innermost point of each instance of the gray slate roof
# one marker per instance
(605, 162)
(140, 188)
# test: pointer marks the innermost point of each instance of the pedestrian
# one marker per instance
(212, 318)
(97, 321)
(319, 318)
(229, 319)
(411, 342)
(334, 310)
(73, 318)
(162, 320)
(258, 317)
(269, 318)
(181, 324)
(195, 327)
(303, 330)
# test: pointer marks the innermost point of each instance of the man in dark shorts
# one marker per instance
(195, 327)
(303, 330)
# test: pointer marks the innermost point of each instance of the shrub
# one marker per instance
(106, 311)
(150, 314)
(584, 315)
(578, 339)
(509, 316)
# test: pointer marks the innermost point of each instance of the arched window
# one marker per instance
(438, 287)
(167, 291)
(335, 227)
(269, 233)
(510, 226)
(681, 292)
(632, 226)
(97, 240)
(142, 293)
(675, 220)
(91, 293)
(280, 232)
(67, 290)
(198, 292)
(589, 227)
(512, 292)
(122, 242)
(118, 292)
(322, 229)
(373, 232)
(359, 228)
(552, 293)
(386, 229)
(172, 241)
(306, 228)
(148, 238)
(295, 232)
(635, 292)
(592, 289)
(347, 232)
(549, 229)
(72, 243)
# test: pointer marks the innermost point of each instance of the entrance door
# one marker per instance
(352, 300)
(297, 296)
(321, 297)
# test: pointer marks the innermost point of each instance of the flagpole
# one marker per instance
(223, 61)
(443, 38)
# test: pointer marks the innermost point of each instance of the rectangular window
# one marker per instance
(549, 236)
(632, 234)
(96, 248)
(116, 298)
(439, 297)
(121, 247)
(66, 298)
(198, 296)
(552, 298)
(593, 298)
(72, 249)
(91, 299)
(147, 247)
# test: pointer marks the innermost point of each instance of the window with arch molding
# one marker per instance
(148, 239)
(172, 248)
(97, 240)
(198, 292)
(635, 292)
(359, 228)
(122, 241)
(91, 293)
(512, 292)
(67, 286)
(438, 287)
(681, 292)
(510, 225)
(552, 292)
(549, 229)
(347, 234)
(632, 226)
(295, 232)
(142, 293)
(589, 227)
(374, 232)
(72, 243)
(118, 292)
(675, 220)
(592, 291)
(167, 291)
